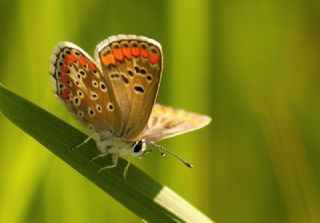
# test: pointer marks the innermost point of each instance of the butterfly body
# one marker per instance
(112, 144)
(114, 96)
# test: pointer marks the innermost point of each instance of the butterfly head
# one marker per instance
(138, 148)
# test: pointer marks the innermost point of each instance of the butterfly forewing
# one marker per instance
(132, 67)
(79, 84)
(167, 122)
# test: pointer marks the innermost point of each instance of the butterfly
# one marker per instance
(114, 95)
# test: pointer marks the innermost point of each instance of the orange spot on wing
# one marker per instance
(135, 51)
(154, 58)
(108, 59)
(64, 79)
(144, 52)
(70, 59)
(126, 52)
(92, 67)
(64, 69)
(65, 94)
(83, 61)
(117, 53)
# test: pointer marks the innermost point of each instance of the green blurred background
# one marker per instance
(251, 65)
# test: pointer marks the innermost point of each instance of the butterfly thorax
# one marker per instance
(108, 142)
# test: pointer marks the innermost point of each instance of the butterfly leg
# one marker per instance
(98, 156)
(82, 143)
(115, 158)
(126, 170)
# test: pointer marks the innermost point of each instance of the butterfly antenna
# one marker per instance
(163, 152)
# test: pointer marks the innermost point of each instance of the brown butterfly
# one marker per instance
(114, 96)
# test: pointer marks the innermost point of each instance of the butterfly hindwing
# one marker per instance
(132, 67)
(79, 84)
(167, 122)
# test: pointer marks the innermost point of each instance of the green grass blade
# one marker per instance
(141, 194)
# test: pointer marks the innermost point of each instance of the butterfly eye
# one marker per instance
(138, 148)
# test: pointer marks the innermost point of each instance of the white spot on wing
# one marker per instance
(80, 114)
(80, 93)
(99, 108)
(101, 86)
(76, 101)
(91, 112)
(94, 96)
(95, 83)
(91, 127)
(110, 106)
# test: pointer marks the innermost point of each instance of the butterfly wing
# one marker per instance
(132, 67)
(78, 82)
(167, 122)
